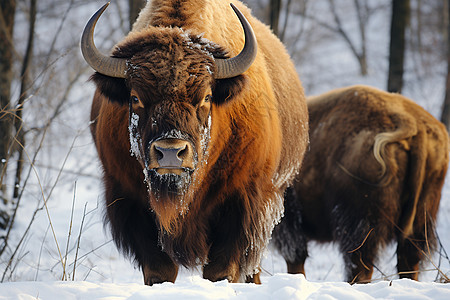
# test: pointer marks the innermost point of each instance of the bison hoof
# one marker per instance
(229, 278)
(219, 278)
(153, 280)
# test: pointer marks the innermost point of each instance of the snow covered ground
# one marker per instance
(279, 286)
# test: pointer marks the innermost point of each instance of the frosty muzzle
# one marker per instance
(170, 164)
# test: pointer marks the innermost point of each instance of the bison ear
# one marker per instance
(227, 89)
(115, 89)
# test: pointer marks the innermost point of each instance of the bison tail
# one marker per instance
(379, 148)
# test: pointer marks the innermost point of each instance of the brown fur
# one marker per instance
(374, 174)
(224, 218)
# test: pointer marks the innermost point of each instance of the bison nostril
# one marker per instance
(182, 152)
(159, 153)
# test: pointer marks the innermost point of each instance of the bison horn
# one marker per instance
(231, 67)
(106, 65)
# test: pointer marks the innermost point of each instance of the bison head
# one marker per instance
(170, 79)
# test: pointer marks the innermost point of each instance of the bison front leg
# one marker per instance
(220, 268)
(217, 271)
(160, 269)
(255, 278)
(227, 242)
(134, 230)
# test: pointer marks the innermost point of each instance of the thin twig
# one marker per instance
(78, 243)
(40, 253)
(64, 277)
(351, 251)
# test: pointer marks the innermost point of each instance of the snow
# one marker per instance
(135, 137)
(279, 286)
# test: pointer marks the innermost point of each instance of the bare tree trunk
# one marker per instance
(362, 19)
(283, 30)
(399, 21)
(362, 12)
(419, 26)
(274, 15)
(445, 117)
(7, 12)
(24, 91)
(135, 8)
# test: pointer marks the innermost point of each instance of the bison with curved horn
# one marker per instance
(373, 175)
(200, 123)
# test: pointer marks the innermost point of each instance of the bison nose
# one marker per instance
(171, 154)
(169, 157)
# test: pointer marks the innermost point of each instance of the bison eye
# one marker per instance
(135, 101)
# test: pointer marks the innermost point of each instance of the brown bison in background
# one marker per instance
(373, 174)
(197, 148)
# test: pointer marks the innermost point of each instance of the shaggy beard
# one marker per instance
(168, 197)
